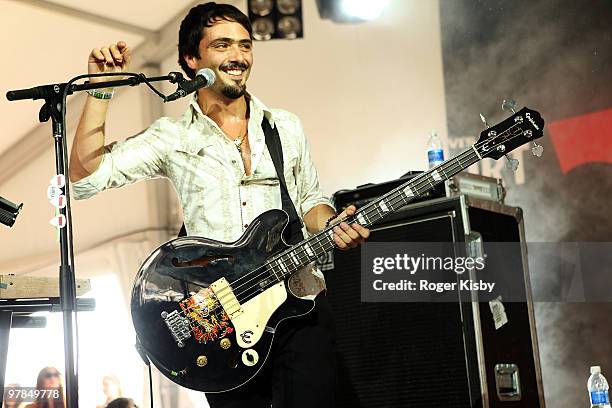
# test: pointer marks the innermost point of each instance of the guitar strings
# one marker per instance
(326, 242)
(419, 182)
(392, 198)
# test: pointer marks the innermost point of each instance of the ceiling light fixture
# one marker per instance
(363, 9)
(261, 7)
(276, 19)
(351, 11)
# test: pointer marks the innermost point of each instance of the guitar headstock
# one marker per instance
(522, 127)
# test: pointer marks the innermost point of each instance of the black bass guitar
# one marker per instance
(205, 311)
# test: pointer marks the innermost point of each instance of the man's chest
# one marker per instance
(222, 165)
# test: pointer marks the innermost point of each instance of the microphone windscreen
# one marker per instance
(209, 75)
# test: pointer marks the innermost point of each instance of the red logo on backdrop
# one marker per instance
(583, 139)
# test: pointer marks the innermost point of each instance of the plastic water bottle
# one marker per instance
(435, 153)
(598, 389)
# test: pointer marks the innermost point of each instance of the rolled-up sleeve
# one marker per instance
(137, 158)
(307, 181)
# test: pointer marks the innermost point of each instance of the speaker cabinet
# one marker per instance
(434, 354)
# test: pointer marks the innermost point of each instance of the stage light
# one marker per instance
(8, 212)
(276, 19)
(289, 27)
(363, 9)
(288, 6)
(263, 28)
(351, 11)
(261, 7)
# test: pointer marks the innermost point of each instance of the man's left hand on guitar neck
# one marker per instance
(345, 236)
(348, 236)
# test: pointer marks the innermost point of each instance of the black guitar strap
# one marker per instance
(293, 233)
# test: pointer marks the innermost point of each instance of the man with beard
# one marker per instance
(216, 156)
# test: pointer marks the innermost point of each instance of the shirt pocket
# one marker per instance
(197, 168)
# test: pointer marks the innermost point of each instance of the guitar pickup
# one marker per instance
(225, 295)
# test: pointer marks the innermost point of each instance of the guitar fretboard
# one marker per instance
(289, 261)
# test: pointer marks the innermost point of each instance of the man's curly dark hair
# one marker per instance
(194, 23)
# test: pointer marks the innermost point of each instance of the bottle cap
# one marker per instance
(595, 369)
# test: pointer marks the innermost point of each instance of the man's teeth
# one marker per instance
(234, 72)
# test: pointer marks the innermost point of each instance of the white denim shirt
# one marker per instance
(218, 199)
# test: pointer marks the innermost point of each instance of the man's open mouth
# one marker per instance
(234, 73)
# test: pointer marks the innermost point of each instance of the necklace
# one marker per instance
(238, 142)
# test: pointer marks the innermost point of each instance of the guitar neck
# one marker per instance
(287, 262)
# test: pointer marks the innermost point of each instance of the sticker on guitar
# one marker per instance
(207, 319)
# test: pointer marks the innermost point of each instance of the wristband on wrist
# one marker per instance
(100, 94)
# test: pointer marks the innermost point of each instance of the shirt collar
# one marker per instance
(257, 108)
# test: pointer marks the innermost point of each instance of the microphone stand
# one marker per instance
(54, 109)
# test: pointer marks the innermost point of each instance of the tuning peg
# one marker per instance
(509, 105)
(511, 164)
(484, 121)
(537, 149)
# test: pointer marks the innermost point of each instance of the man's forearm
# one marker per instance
(316, 218)
(88, 146)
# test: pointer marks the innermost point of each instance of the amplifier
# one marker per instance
(462, 354)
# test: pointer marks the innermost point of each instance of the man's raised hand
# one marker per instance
(111, 58)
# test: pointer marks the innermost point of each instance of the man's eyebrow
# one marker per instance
(231, 40)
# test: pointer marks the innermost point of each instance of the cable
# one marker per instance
(178, 77)
(150, 386)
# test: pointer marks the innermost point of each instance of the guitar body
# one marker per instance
(206, 311)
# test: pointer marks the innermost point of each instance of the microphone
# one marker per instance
(203, 79)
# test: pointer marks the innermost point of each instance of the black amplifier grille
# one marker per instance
(397, 354)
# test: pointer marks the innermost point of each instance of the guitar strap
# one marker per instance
(293, 233)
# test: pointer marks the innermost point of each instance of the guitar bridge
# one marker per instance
(178, 326)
